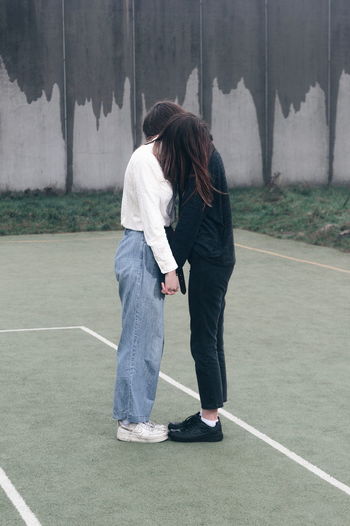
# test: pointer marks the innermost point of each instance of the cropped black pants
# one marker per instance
(206, 295)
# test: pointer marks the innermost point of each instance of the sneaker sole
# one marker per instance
(129, 437)
(200, 439)
(178, 427)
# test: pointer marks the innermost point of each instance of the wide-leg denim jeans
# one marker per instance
(141, 343)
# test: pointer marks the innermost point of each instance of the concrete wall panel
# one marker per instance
(98, 63)
(31, 103)
(233, 85)
(236, 135)
(30, 139)
(190, 102)
(272, 78)
(340, 91)
(301, 141)
(298, 89)
(167, 51)
(341, 173)
(102, 154)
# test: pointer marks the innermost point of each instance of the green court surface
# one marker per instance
(287, 332)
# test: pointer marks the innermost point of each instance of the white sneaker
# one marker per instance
(142, 432)
(160, 427)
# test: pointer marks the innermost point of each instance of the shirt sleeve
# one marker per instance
(191, 215)
(148, 181)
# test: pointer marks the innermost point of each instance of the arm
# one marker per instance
(148, 180)
(191, 216)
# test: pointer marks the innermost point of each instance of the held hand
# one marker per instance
(171, 285)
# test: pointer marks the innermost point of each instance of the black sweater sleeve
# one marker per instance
(190, 218)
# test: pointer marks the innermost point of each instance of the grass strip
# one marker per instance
(317, 215)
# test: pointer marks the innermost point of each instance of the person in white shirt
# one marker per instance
(143, 255)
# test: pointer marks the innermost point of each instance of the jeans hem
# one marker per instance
(212, 407)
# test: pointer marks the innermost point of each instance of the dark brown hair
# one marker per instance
(158, 117)
(183, 149)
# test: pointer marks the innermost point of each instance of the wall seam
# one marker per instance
(134, 75)
(64, 95)
(267, 163)
(329, 97)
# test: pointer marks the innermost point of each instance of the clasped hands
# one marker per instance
(170, 286)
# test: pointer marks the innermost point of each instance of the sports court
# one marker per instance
(285, 458)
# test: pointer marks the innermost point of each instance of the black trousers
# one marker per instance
(206, 295)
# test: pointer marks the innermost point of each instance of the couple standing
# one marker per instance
(177, 163)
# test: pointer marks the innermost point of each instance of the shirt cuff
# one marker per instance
(164, 257)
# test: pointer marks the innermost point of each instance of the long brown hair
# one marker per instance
(183, 149)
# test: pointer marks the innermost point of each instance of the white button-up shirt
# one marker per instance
(146, 197)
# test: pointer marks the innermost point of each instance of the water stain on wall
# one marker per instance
(234, 49)
(99, 40)
(297, 55)
(31, 46)
(340, 62)
(167, 50)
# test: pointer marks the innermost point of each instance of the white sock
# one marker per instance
(210, 423)
(125, 422)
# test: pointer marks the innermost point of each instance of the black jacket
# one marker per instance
(203, 231)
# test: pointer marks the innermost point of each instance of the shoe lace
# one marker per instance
(152, 425)
(190, 420)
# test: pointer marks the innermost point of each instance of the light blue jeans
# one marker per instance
(141, 343)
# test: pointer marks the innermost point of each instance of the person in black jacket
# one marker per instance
(204, 237)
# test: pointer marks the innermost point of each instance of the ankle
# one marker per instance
(210, 414)
(210, 423)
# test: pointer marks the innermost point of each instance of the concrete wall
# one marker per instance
(32, 144)
(272, 77)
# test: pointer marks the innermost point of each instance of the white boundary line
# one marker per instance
(9, 489)
(247, 427)
(16, 499)
(239, 245)
(42, 329)
(291, 258)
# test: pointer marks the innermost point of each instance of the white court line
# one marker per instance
(42, 329)
(247, 427)
(25, 512)
(16, 499)
(99, 337)
(291, 258)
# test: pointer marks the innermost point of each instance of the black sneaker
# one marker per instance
(197, 431)
(184, 423)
